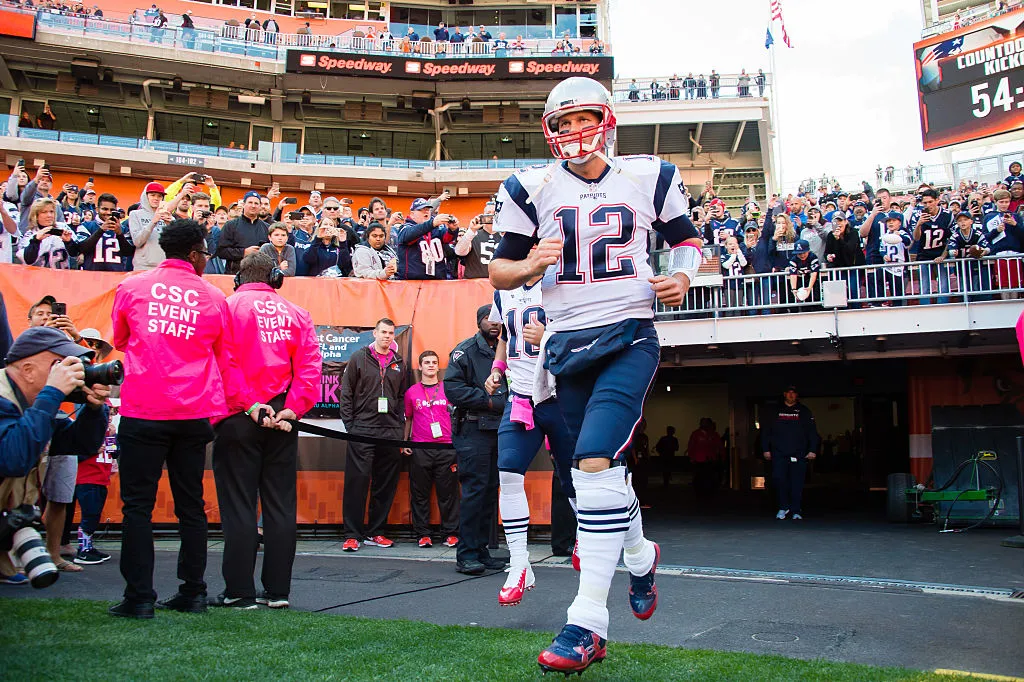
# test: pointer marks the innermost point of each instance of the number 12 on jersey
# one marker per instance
(620, 221)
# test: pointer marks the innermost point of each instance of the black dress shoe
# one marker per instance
(132, 609)
(184, 603)
(494, 564)
(470, 567)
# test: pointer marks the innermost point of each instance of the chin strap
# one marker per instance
(685, 258)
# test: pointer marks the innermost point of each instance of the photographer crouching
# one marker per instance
(276, 369)
(44, 368)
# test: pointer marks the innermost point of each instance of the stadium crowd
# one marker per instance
(776, 256)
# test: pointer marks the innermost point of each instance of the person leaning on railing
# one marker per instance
(1005, 235)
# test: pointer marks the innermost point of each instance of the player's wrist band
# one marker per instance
(249, 411)
(499, 366)
(685, 258)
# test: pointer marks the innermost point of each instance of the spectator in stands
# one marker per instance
(441, 32)
(814, 232)
(279, 250)
(374, 259)
(102, 242)
(894, 245)
(842, 250)
(968, 241)
(720, 224)
(38, 188)
(1015, 174)
(780, 248)
(420, 242)
(26, 120)
(330, 250)
(733, 262)
(159, 22)
(316, 203)
(46, 120)
(702, 87)
(484, 34)
(304, 30)
(634, 91)
(46, 242)
(412, 35)
(501, 45)
(931, 231)
(674, 85)
(1017, 196)
(871, 227)
(596, 47)
(476, 247)
(69, 199)
(803, 271)
(760, 80)
(690, 84)
(243, 235)
(333, 209)
(1005, 235)
(188, 30)
(145, 225)
(270, 30)
(458, 37)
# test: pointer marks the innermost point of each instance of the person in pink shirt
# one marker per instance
(174, 330)
(427, 421)
(276, 366)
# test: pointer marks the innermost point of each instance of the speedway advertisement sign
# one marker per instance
(971, 81)
(447, 68)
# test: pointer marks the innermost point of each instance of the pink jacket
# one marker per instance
(174, 330)
(274, 350)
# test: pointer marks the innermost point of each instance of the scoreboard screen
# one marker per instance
(971, 81)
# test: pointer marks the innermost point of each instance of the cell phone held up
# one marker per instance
(59, 309)
(486, 219)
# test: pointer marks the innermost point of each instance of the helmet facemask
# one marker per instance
(580, 146)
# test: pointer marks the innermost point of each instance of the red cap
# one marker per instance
(717, 202)
(155, 187)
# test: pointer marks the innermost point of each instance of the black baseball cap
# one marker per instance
(791, 387)
(35, 340)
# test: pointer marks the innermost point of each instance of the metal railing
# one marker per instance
(266, 46)
(279, 152)
(665, 89)
(885, 285)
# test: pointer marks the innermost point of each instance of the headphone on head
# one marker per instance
(275, 280)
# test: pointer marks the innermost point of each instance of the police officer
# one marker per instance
(790, 439)
(475, 436)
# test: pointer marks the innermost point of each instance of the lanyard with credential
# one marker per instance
(382, 401)
(435, 425)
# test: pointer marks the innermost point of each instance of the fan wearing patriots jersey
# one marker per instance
(524, 427)
(102, 242)
(969, 241)
(931, 230)
(590, 217)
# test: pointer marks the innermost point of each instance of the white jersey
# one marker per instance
(605, 228)
(514, 310)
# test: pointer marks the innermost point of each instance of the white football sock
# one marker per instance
(515, 516)
(603, 513)
(638, 554)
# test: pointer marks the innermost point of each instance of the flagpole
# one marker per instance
(773, 99)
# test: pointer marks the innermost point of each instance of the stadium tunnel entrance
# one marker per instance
(861, 412)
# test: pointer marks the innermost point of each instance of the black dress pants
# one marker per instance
(430, 467)
(477, 452)
(370, 469)
(249, 460)
(146, 445)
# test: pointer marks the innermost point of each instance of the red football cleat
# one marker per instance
(643, 593)
(425, 541)
(519, 582)
(351, 545)
(573, 651)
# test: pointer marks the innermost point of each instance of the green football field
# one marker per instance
(74, 639)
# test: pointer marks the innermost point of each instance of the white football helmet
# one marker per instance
(572, 95)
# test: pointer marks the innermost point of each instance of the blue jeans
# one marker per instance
(926, 273)
(603, 404)
(517, 446)
(91, 497)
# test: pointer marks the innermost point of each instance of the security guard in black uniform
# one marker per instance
(475, 436)
(789, 439)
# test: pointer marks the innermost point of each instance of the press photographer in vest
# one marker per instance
(44, 367)
(275, 377)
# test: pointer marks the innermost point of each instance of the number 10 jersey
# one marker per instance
(605, 227)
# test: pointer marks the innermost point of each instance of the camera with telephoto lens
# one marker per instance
(19, 535)
(107, 373)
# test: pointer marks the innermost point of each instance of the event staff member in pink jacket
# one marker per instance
(174, 330)
(276, 367)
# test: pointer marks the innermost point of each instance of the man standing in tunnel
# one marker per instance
(789, 439)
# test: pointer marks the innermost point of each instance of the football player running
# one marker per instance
(590, 217)
(524, 427)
